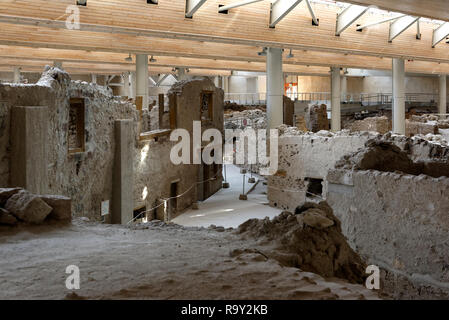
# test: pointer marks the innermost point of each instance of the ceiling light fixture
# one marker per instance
(129, 58)
(290, 55)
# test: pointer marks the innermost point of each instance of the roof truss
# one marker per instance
(348, 16)
(440, 34)
(280, 9)
(192, 6)
(400, 25)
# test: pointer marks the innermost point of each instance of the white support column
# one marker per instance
(344, 87)
(142, 78)
(398, 96)
(226, 84)
(126, 85)
(275, 88)
(57, 64)
(16, 75)
(442, 106)
(336, 99)
(182, 74)
(132, 82)
(94, 78)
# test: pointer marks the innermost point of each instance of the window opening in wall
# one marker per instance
(206, 106)
(173, 198)
(76, 134)
(314, 188)
(140, 213)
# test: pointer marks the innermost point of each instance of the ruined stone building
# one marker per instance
(222, 150)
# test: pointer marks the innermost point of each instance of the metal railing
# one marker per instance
(246, 98)
(365, 99)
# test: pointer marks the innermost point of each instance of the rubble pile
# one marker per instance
(257, 119)
(232, 106)
(385, 156)
(377, 124)
(18, 206)
(310, 239)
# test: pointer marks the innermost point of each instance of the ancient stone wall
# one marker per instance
(86, 175)
(414, 128)
(316, 118)
(305, 159)
(398, 222)
(376, 124)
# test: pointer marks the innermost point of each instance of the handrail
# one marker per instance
(363, 98)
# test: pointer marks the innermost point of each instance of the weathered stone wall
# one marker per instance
(398, 222)
(303, 156)
(414, 127)
(187, 96)
(86, 177)
(376, 124)
(316, 118)
(310, 155)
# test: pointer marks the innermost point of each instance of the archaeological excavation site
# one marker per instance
(202, 150)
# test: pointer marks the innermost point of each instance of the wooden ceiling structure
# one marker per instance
(34, 33)
(433, 9)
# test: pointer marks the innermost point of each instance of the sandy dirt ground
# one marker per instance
(158, 262)
(225, 209)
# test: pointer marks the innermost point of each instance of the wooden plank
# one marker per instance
(247, 25)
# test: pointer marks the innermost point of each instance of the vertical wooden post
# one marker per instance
(161, 110)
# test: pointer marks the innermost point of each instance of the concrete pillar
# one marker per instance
(57, 64)
(122, 184)
(126, 84)
(16, 75)
(29, 139)
(344, 88)
(94, 78)
(182, 74)
(442, 106)
(220, 82)
(142, 78)
(132, 85)
(398, 96)
(336, 99)
(275, 88)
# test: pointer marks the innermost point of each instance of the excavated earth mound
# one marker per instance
(385, 156)
(311, 239)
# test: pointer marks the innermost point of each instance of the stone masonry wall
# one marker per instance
(312, 155)
(304, 156)
(86, 177)
(398, 222)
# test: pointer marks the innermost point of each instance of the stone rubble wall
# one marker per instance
(86, 177)
(398, 222)
(377, 124)
(310, 155)
(414, 128)
(304, 156)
